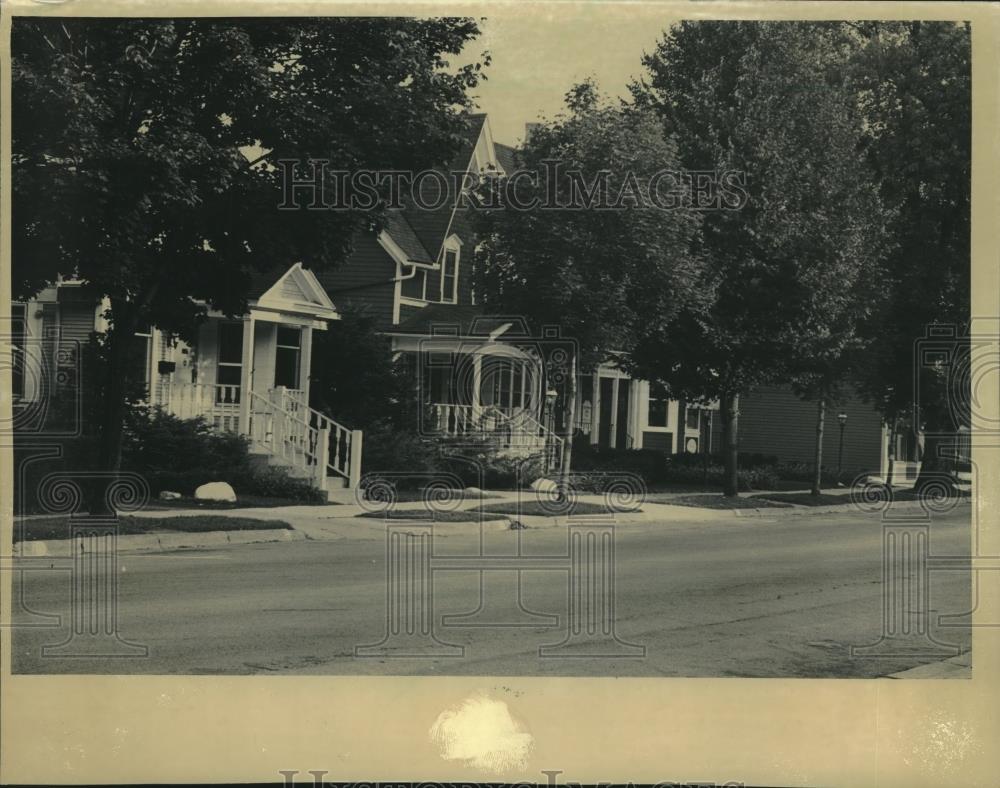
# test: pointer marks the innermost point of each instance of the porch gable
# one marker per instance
(298, 291)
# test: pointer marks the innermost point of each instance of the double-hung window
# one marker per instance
(449, 276)
(288, 357)
(229, 372)
(658, 413)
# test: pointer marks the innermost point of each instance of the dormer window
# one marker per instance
(449, 275)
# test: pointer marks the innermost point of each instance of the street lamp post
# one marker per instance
(842, 418)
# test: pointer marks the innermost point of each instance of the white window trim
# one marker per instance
(453, 244)
(218, 352)
(298, 355)
(647, 427)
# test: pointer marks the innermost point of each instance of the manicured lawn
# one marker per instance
(242, 502)
(408, 496)
(909, 495)
(722, 502)
(534, 507)
(59, 527)
(826, 499)
(806, 499)
(461, 516)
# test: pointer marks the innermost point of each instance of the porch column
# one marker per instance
(633, 413)
(613, 436)
(305, 363)
(477, 382)
(595, 410)
(246, 375)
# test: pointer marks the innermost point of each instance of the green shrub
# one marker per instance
(803, 472)
(650, 464)
(182, 454)
(489, 471)
(275, 483)
(156, 441)
(266, 483)
(395, 452)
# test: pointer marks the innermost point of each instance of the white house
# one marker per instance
(248, 375)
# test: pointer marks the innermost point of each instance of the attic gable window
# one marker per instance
(449, 276)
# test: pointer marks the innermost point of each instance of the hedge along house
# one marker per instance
(248, 375)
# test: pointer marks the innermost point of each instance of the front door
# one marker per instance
(605, 416)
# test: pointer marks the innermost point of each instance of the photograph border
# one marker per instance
(140, 729)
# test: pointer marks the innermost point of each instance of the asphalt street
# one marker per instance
(751, 597)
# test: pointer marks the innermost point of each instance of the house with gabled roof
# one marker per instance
(248, 375)
(481, 377)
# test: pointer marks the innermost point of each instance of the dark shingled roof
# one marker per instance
(431, 226)
(506, 157)
(419, 233)
(262, 281)
(401, 232)
(469, 320)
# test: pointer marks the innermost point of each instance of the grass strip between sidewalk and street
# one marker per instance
(40, 528)
(242, 502)
(719, 502)
(460, 516)
(537, 508)
(501, 510)
(804, 499)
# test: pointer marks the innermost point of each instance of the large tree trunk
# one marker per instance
(933, 466)
(570, 414)
(729, 405)
(892, 452)
(818, 457)
(113, 410)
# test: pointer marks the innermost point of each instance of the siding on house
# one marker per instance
(364, 281)
(75, 316)
(774, 421)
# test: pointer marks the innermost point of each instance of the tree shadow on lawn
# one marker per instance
(40, 528)
(718, 501)
(242, 502)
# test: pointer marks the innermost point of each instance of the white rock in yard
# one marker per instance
(542, 484)
(473, 491)
(169, 495)
(215, 491)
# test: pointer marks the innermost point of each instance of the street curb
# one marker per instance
(63, 548)
(796, 510)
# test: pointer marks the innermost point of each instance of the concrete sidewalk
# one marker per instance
(160, 542)
(341, 521)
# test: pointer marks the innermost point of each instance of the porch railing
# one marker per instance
(218, 404)
(281, 424)
(508, 429)
(278, 421)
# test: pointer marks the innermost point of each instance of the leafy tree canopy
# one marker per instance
(593, 256)
(791, 271)
(143, 148)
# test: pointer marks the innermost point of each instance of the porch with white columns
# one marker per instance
(246, 377)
